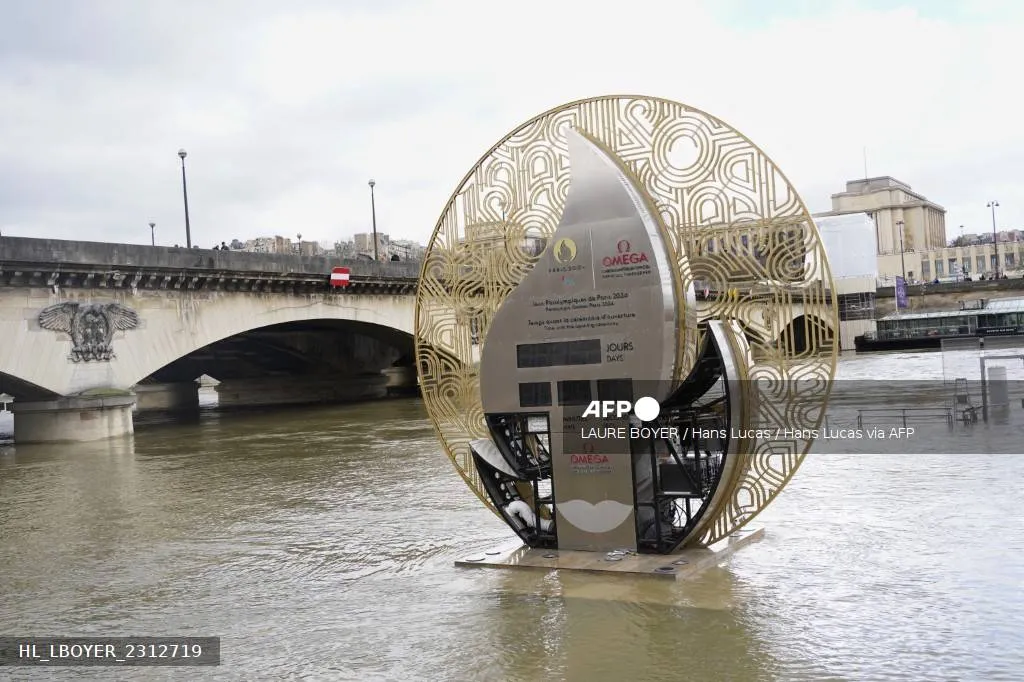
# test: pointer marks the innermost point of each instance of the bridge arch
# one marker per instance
(22, 390)
(314, 360)
(212, 324)
(753, 334)
(299, 347)
(807, 332)
(173, 325)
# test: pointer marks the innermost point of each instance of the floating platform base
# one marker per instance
(677, 566)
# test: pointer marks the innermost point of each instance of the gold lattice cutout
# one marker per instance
(735, 226)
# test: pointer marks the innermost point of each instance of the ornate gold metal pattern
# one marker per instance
(739, 233)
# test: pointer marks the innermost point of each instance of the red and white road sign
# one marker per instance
(339, 277)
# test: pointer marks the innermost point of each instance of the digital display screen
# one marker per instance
(574, 392)
(615, 389)
(558, 354)
(535, 394)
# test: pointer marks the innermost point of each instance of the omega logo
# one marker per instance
(625, 256)
(625, 259)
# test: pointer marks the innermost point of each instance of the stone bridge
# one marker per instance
(94, 331)
(764, 318)
(91, 330)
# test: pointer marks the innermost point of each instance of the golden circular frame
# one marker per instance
(735, 227)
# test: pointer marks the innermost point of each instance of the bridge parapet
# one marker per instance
(73, 264)
(981, 287)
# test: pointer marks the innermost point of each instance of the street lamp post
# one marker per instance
(373, 214)
(184, 192)
(152, 234)
(903, 262)
(995, 239)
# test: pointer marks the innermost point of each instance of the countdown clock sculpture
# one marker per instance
(622, 306)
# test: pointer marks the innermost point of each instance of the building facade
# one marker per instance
(897, 211)
(259, 245)
(953, 263)
(277, 244)
(309, 249)
(364, 244)
(406, 249)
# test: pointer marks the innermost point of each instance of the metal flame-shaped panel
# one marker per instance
(595, 320)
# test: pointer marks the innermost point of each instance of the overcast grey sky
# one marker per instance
(288, 108)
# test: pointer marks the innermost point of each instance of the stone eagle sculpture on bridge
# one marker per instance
(91, 327)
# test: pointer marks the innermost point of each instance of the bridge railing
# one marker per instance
(26, 250)
(904, 416)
